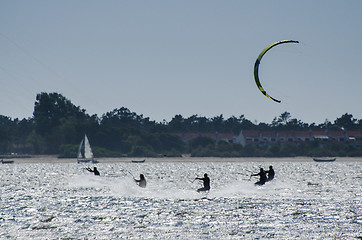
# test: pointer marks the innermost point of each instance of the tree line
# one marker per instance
(57, 127)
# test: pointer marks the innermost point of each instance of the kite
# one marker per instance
(256, 66)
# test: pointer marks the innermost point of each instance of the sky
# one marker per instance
(162, 58)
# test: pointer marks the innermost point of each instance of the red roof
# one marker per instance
(251, 133)
(302, 134)
(269, 134)
(319, 133)
(354, 133)
(209, 135)
(187, 136)
(285, 134)
(336, 133)
(226, 136)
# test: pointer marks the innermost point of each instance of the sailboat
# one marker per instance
(88, 154)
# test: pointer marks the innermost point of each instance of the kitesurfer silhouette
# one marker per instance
(270, 173)
(95, 171)
(262, 175)
(142, 181)
(206, 180)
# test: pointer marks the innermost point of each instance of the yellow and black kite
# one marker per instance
(256, 66)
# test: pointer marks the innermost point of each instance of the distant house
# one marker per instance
(354, 137)
(337, 135)
(213, 136)
(226, 137)
(320, 135)
(269, 136)
(303, 136)
(217, 137)
(285, 136)
(186, 136)
(248, 137)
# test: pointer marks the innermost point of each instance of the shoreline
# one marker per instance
(55, 159)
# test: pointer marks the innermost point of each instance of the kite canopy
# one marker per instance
(257, 63)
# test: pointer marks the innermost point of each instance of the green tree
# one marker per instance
(346, 121)
(200, 142)
(5, 134)
(53, 114)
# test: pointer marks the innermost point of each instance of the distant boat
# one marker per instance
(324, 159)
(7, 161)
(139, 161)
(88, 154)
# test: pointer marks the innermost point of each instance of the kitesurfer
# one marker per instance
(206, 180)
(262, 175)
(142, 181)
(95, 171)
(270, 174)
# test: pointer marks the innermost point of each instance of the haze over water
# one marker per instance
(306, 200)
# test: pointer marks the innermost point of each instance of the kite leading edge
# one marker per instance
(257, 62)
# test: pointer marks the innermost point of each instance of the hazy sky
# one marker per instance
(162, 58)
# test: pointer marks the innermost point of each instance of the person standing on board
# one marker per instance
(95, 171)
(270, 174)
(262, 175)
(206, 180)
(142, 181)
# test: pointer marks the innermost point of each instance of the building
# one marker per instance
(354, 137)
(302, 136)
(285, 136)
(320, 135)
(337, 135)
(247, 137)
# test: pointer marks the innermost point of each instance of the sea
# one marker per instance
(306, 200)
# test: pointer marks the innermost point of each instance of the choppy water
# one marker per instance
(306, 200)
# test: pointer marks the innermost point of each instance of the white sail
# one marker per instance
(79, 155)
(88, 154)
